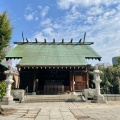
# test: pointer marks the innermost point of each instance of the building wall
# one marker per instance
(71, 81)
(114, 60)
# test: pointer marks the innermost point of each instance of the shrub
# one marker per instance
(2, 89)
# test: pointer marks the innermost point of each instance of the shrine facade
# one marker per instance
(53, 67)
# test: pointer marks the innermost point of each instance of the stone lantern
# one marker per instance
(7, 99)
(98, 98)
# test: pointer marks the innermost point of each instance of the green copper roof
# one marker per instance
(52, 54)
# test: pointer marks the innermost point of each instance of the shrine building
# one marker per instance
(53, 67)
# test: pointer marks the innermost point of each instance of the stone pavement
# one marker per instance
(64, 111)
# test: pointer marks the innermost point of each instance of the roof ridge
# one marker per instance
(55, 43)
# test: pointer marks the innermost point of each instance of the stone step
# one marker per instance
(51, 98)
(44, 100)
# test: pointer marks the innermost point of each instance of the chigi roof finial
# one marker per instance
(23, 37)
(84, 37)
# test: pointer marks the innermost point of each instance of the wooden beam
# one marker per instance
(44, 40)
(80, 40)
(71, 40)
(36, 40)
(53, 40)
(62, 40)
(27, 40)
(57, 43)
(23, 37)
(84, 37)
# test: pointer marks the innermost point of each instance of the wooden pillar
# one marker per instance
(87, 74)
(73, 86)
(34, 85)
(16, 80)
(87, 79)
(18, 76)
(37, 82)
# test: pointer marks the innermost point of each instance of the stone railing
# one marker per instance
(112, 97)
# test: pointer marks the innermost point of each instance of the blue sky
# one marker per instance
(67, 19)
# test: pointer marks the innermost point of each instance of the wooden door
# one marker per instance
(80, 83)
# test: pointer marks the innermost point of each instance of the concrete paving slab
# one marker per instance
(33, 112)
(17, 113)
(23, 111)
(44, 113)
(64, 110)
(57, 119)
(14, 116)
(42, 118)
(29, 114)
(55, 116)
(67, 114)
(77, 113)
(25, 119)
(69, 118)
(7, 118)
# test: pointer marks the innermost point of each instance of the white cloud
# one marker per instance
(72, 15)
(44, 11)
(65, 4)
(48, 31)
(46, 22)
(56, 26)
(36, 18)
(101, 22)
(49, 23)
(96, 10)
(39, 36)
(29, 16)
(28, 8)
(39, 7)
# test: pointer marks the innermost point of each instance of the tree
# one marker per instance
(5, 33)
(110, 79)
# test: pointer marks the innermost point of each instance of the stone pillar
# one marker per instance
(98, 98)
(8, 99)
